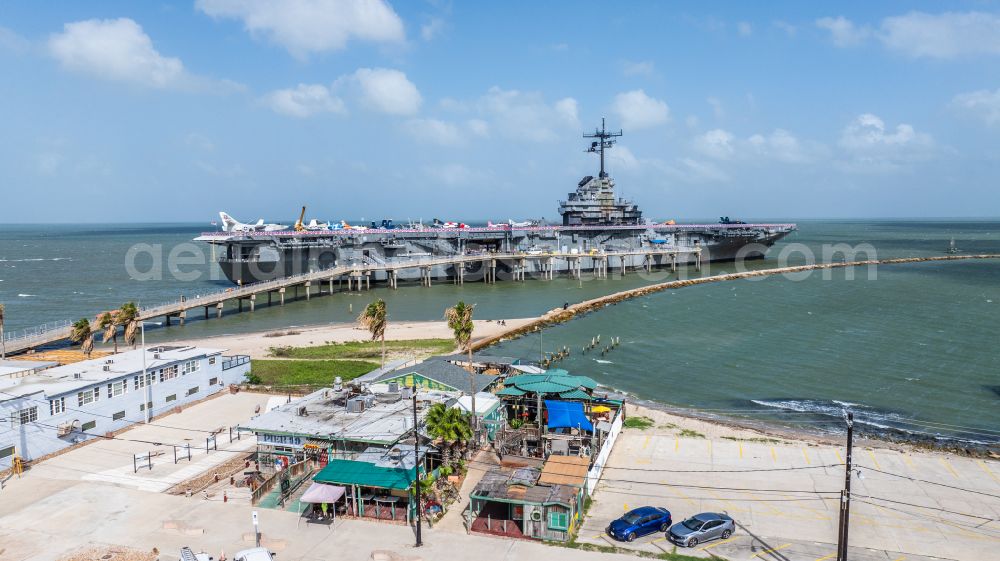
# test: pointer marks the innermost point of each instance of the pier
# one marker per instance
(358, 277)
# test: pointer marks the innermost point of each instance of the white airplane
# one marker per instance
(453, 225)
(314, 225)
(490, 224)
(230, 224)
(345, 226)
(524, 224)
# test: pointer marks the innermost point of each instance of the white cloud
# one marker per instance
(843, 32)
(478, 127)
(116, 50)
(695, 171)
(526, 115)
(788, 28)
(780, 145)
(622, 157)
(637, 110)
(311, 26)
(434, 131)
(454, 174)
(11, 41)
(717, 108)
(431, 29)
(745, 29)
(946, 35)
(716, 143)
(982, 103)
(638, 68)
(387, 91)
(305, 100)
(871, 145)
(783, 146)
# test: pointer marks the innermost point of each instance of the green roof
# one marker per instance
(575, 394)
(511, 391)
(350, 472)
(553, 381)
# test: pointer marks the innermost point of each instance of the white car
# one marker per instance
(254, 554)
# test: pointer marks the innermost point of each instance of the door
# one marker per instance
(648, 525)
(712, 529)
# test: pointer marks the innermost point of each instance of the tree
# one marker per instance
(83, 333)
(459, 319)
(373, 318)
(107, 323)
(3, 342)
(128, 317)
(449, 426)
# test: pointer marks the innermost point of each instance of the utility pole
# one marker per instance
(845, 495)
(416, 462)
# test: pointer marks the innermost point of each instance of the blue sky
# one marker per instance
(132, 112)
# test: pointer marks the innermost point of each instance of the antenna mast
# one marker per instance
(606, 141)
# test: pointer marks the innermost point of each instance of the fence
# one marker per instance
(293, 471)
(594, 475)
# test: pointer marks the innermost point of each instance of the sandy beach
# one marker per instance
(256, 344)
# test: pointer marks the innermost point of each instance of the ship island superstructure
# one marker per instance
(596, 224)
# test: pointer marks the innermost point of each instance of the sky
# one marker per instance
(366, 109)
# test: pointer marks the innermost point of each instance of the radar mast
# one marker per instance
(606, 140)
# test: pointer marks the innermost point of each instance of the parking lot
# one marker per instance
(788, 507)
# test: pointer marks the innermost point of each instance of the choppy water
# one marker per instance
(914, 349)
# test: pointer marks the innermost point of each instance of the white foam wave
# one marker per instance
(31, 259)
(599, 361)
(27, 295)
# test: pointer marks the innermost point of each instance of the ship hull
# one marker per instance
(261, 257)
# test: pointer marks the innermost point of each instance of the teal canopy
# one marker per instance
(350, 472)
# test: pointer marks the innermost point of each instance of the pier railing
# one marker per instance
(57, 331)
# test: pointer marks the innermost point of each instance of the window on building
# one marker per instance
(118, 416)
(213, 381)
(6, 452)
(89, 425)
(190, 366)
(25, 416)
(88, 396)
(192, 391)
(211, 361)
(168, 373)
(143, 406)
(558, 520)
(139, 382)
(116, 389)
(172, 397)
(57, 405)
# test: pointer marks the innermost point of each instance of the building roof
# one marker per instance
(22, 367)
(485, 403)
(327, 417)
(555, 381)
(443, 372)
(79, 375)
(565, 470)
(353, 472)
(521, 485)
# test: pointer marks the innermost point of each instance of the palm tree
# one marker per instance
(83, 333)
(128, 317)
(108, 324)
(373, 318)
(459, 319)
(450, 427)
(3, 342)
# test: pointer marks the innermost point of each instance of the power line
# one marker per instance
(931, 482)
(939, 509)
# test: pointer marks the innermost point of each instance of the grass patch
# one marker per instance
(366, 349)
(667, 426)
(691, 433)
(641, 423)
(306, 372)
(754, 439)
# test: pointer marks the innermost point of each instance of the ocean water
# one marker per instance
(912, 349)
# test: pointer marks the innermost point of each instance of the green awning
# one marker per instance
(575, 394)
(350, 472)
(511, 391)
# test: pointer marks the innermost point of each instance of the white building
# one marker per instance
(52, 409)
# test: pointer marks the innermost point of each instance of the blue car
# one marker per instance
(640, 522)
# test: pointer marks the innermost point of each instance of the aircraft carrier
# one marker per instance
(595, 222)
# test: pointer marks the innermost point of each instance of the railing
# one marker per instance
(234, 361)
(268, 484)
(39, 331)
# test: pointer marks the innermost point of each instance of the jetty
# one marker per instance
(358, 276)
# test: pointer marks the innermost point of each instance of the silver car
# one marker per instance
(701, 528)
